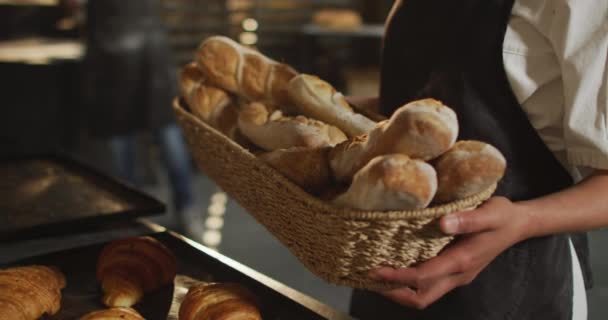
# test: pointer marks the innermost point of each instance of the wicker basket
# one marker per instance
(338, 245)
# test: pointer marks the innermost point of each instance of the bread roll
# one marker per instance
(308, 168)
(422, 129)
(317, 99)
(190, 76)
(113, 314)
(468, 168)
(208, 103)
(219, 301)
(275, 131)
(27, 293)
(130, 267)
(214, 106)
(391, 182)
(244, 72)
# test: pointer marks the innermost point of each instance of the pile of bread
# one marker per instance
(303, 128)
(127, 269)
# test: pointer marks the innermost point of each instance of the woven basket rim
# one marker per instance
(343, 213)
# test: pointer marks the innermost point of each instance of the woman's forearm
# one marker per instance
(582, 207)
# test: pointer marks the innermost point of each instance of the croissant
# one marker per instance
(130, 267)
(222, 301)
(113, 314)
(26, 293)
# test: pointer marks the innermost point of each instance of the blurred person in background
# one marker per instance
(129, 83)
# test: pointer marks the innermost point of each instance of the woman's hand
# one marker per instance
(486, 232)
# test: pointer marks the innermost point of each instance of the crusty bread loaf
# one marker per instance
(214, 106)
(224, 301)
(244, 72)
(391, 182)
(275, 131)
(422, 129)
(306, 167)
(27, 293)
(207, 102)
(190, 76)
(317, 99)
(467, 169)
(113, 314)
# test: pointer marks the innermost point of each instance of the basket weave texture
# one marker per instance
(338, 245)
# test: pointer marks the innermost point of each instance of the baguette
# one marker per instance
(208, 103)
(244, 72)
(422, 129)
(467, 169)
(391, 182)
(275, 131)
(308, 168)
(317, 99)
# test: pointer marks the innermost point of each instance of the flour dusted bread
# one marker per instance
(275, 131)
(391, 182)
(244, 72)
(113, 314)
(27, 293)
(317, 99)
(306, 167)
(467, 169)
(225, 301)
(128, 268)
(422, 129)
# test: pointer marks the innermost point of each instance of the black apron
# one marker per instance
(452, 51)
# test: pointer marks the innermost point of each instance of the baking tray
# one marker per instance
(83, 294)
(42, 194)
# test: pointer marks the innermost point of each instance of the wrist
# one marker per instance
(530, 226)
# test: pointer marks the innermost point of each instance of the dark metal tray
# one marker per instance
(83, 294)
(42, 194)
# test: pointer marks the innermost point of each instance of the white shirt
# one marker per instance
(556, 57)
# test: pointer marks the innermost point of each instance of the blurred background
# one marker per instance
(94, 79)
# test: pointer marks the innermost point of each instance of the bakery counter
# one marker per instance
(76, 254)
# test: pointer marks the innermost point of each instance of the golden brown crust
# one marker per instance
(279, 80)
(190, 76)
(256, 70)
(317, 99)
(306, 167)
(113, 314)
(129, 267)
(391, 182)
(233, 309)
(245, 72)
(220, 61)
(26, 293)
(467, 169)
(275, 131)
(201, 299)
(215, 107)
(422, 129)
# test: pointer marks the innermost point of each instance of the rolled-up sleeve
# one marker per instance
(579, 35)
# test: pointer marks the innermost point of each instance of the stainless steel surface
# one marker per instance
(47, 191)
